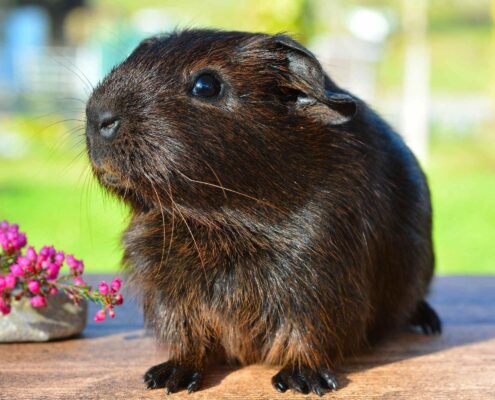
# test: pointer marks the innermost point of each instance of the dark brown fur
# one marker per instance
(283, 223)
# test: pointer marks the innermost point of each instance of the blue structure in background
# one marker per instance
(26, 29)
(26, 38)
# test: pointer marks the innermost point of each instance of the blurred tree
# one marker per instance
(57, 11)
(451, 14)
(306, 20)
(292, 16)
(492, 52)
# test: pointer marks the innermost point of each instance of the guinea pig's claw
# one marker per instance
(426, 319)
(305, 380)
(194, 383)
(172, 376)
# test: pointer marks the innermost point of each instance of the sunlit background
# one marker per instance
(427, 66)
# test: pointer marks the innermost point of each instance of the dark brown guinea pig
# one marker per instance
(275, 217)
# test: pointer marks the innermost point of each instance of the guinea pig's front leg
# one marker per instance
(187, 350)
(305, 379)
(173, 375)
(303, 351)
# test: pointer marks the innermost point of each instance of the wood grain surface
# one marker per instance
(109, 359)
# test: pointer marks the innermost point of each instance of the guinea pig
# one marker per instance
(275, 218)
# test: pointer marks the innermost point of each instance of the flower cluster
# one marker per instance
(37, 275)
(11, 239)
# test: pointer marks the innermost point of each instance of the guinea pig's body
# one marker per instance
(276, 218)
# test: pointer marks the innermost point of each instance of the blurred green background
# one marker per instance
(426, 66)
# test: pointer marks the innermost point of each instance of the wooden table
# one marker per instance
(108, 361)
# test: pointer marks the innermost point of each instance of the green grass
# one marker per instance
(462, 178)
(51, 194)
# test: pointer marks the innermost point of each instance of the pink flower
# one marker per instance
(38, 301)
(23, 261)
(4, 307)
(35, 275)
(31, 254)
(52, 271)
(79, 281)
(26, 264)
(34, 287)
(43, 254)
(71, 261)
(119, 300)
(59, 257)
(11, 240)
(116, 284)
(10, 281)
(17, 270)
(47, 252)
(103, 288)
(80, 268)
(100, 316)
(76, 266)
(21, 240)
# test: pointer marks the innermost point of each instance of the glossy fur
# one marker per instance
(282, 223)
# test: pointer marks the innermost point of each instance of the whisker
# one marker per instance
(60, 122)
(84, 81)
(232, 191)
(173, 221)
(193, 238)
(163, 220)
(74, 99)
(74, 160)
(64, 144)
(51, 113)
(217, 178)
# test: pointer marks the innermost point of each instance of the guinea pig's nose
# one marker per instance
(108, 125)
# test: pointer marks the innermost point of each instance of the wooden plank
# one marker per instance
(108, 361)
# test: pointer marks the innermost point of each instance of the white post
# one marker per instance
(415, 102)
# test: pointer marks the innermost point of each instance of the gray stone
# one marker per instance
(60, 319)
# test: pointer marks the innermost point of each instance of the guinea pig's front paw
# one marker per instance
(173, 376)
(305, 380)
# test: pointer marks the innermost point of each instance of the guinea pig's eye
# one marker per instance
(206, 86)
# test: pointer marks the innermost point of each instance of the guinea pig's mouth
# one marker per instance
(111, 180)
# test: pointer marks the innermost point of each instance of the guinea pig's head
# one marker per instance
(210, 120)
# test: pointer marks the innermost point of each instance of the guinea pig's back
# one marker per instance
(400, 210)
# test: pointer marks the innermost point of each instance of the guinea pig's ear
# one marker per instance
(307, 86)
